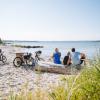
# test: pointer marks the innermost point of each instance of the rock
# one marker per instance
(22, 46)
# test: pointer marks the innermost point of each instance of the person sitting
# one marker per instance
(67, 59)
(77, 57)
(56, 56)
(82, 59)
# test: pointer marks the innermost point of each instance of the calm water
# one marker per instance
(88, 47)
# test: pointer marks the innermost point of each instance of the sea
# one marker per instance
(90, 48)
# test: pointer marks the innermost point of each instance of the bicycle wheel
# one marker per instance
(4, 59)
(30, 62)
(17, 62)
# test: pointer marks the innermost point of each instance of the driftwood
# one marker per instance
(58, 70)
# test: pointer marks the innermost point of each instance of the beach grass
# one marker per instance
(84, 86)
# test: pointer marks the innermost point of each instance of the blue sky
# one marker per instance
(50, 20)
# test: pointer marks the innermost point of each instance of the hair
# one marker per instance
(73, 49)
(68, 53)
(56, 49)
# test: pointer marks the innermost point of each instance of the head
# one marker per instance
(56, 50)
(68, 54)
(73, 49)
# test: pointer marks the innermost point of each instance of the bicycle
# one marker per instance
(26, 59)
(2, 57)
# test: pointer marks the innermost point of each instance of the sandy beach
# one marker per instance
(13, 79)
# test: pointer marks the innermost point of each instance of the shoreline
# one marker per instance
(89, 48)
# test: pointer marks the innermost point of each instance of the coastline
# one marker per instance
(87, 47)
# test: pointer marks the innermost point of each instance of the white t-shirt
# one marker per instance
(75, 56)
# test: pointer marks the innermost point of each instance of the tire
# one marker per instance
(30, 62)
(4, 59)
(17, 62)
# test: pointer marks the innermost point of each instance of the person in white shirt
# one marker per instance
(77, 57)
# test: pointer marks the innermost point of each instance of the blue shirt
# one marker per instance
(56, 57)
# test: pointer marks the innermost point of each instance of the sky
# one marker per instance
(50, 20)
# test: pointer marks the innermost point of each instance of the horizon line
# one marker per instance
(53, 40)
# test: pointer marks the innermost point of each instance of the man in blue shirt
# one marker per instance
(56, 56)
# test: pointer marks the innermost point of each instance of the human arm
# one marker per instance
(83, 56)
(51, 57)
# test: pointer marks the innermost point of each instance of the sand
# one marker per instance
(14, 79)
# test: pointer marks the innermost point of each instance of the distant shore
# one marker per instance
(23, 46)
